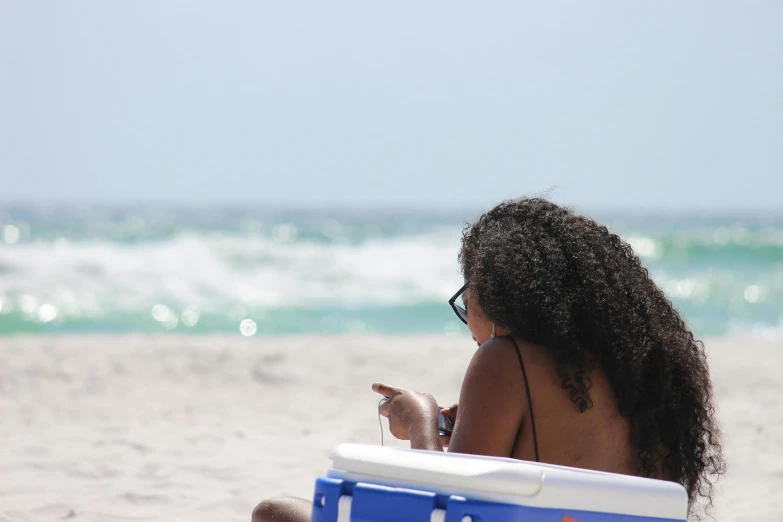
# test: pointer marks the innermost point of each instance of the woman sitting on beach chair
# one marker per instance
(582, 359)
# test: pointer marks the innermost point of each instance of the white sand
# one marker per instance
(173, 428)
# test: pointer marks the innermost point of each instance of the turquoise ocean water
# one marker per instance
(260, 272)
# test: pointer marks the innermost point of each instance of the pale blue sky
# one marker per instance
(662, 105)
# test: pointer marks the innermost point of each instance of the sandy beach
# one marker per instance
(121, 428)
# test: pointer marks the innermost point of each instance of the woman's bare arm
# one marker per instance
(492, 404)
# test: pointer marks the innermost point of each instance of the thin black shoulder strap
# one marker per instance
(529, 397)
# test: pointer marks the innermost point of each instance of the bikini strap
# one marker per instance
(529, 398)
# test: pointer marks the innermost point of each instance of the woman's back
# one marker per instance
(598, 438)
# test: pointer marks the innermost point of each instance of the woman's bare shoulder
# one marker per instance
(497, 363)
(507, 351)
(490, 411)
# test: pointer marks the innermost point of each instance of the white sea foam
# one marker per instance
(205, 271)
(314, 273)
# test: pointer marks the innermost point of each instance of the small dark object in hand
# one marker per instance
(445, 424)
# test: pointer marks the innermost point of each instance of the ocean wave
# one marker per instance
(215, 273)
(200, 273)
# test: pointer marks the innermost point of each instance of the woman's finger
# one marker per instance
(385, 390)
(450, 412)
(383, 409)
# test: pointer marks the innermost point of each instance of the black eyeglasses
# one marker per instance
(461, 312)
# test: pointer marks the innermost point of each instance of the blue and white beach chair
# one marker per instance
(375, 484)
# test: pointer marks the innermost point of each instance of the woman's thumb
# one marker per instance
(450, 412)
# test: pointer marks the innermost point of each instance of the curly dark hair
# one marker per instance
(563, 281)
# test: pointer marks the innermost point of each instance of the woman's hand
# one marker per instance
(412, 416)
(451, 413)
